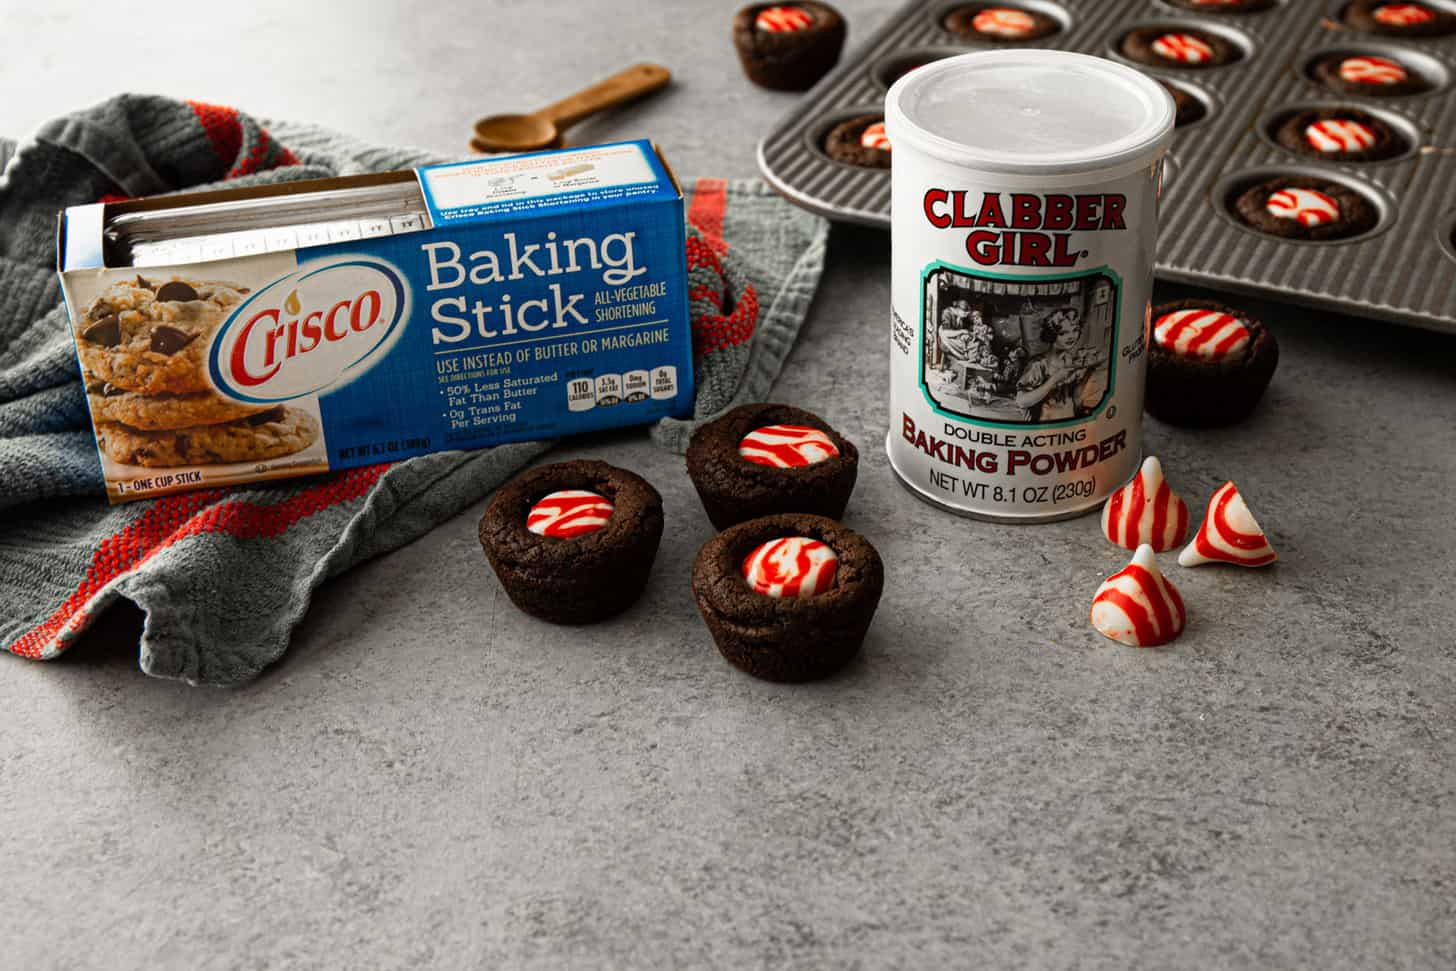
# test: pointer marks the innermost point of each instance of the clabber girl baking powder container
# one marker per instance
(1024, 216)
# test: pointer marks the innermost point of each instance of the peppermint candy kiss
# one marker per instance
(569, 513)
(1403, 14)
(1310, 207)
(786, 446)
(1339, 135)
(874, 137)
(1371, 70)
(1229, 534)
(1138, 606)
(1146, 512)
(791, 567)
(1182, 47)
(1207, 334)
(783, 20)
(1003, 22)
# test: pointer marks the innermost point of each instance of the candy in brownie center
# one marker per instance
(1371, 70)
(787, 446)
(1210, 335)
(569, 513)
(1309, 207)
(786, 19)
(1184, 48)
(791, 567)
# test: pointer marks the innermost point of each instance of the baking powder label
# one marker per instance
(1018, 336)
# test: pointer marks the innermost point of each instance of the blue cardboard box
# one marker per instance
(283, 330)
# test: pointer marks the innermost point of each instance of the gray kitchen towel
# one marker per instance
(224, 575)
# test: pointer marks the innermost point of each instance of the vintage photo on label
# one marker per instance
(1022, 352)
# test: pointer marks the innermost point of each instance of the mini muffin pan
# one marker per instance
(1403, 270)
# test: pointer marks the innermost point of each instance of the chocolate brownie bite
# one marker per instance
(1399, 19)
(1178, 46)
(1208, 363)
(1224, 6)
(1307, 208)
(999, 23)
(1187, 107)
(1339, 134)
(859, 141)
(787, 47)
(1367, 75)
(573, 542)
(788, 597)
(768, 458)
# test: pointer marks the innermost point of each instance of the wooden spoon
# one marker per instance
(543, 129)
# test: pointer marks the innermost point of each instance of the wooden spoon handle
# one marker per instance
(628, 85)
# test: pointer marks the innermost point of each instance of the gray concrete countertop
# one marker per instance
(431, 778)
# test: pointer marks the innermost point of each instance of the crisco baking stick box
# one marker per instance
(277, 331)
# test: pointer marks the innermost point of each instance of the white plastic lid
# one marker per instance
(1030, 111)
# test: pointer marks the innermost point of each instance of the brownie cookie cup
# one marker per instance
(767, 458)
(1367, 76)
(1187, 108)
(787, 47)
(1399, 19)
(788, 597)
(1339, 134)
(859, 141)
(1302, 207)
(153, 337)
(573, 543)
(999, 23)
(1223, 6)
(1178, 46)
(1208, 364)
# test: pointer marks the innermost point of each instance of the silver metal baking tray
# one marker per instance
(1402, 271)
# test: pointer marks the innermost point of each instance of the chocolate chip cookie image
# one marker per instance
(269, 434)
(154, 412)
(770, 458)
(573, 542)
(153, 337)
(789, 597)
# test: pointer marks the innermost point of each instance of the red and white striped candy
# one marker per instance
(1309, 206)
(1003, 22)
(1229, 534)
(1208, 334)
(786, 446)
(1183, 47)
(1403, 14)
(1371, 70)
(1339, 135)
(1138, 606)
(569, 513)
(783, 20)
(791, 567)
(1146, 511)
(874, 137)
